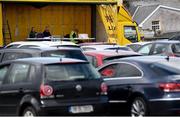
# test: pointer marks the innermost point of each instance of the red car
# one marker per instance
(98, 58)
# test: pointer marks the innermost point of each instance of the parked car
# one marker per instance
(137, 45)
(98, 58)
(44, 44)
(60, 52)
(50, 86)
(104, 47)
(175, 37)
(167, 48)
(144, 85)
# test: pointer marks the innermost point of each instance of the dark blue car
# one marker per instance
(144, 85)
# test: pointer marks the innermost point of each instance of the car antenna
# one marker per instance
(60, 59)
(117, 50)
(167, 58)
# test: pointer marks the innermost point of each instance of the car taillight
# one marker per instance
(170, 87)
(46, 90)
(104, 88)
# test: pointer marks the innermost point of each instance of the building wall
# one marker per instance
(169, 20)
(61, 19)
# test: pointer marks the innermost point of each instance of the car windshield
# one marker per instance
(77, 54)
(176, 48)
(166, 68)
(65, 72)
(130, 33)
(134, 47)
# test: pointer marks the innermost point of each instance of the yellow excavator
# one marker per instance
(119, 25)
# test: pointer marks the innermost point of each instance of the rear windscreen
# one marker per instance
(166, 68)
(77, 54)
(64, 72)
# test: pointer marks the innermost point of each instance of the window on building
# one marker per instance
(155, 25)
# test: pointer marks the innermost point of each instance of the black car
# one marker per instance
(167, 48)
(50, 86)
(144, 85)
(62, 52)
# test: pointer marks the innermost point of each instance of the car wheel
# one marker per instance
(29, 112)
(138, 107)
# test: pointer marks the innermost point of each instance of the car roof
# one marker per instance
(96, 43)
(147, 59)
(101, 47)
(110, 52)
(48, 60)
(38, 49)
(139, 43)
(41, 43)
(166, 41)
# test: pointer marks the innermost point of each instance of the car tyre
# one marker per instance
(138, 107)
(29, 112)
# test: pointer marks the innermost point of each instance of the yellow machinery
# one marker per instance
(118, 23)
(18, 16)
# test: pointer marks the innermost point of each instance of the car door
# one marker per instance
(160, 49)
(4, 70)
(13, 86)
(146, 49)
(121, 84)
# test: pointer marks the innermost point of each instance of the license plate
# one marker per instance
(81, 109)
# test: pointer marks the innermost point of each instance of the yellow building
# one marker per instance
(61, 16)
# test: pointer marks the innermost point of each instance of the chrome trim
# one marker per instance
(166, 99)
(117, 101)
(10, 91)
(117, 78)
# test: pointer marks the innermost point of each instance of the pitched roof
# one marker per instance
(143, 13)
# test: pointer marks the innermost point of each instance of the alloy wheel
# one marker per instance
(28, 114)
(138, 108)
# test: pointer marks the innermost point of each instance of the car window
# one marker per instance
(128, 70)
(65, 72)
(77, 54)
(160, 48)
(88, 48)
(15, 55)
(130, 33)
(92, 60)
(119, 48)
(109, 71)
(18, 74)
(176, 48)
(28, 46)
(32, 73)
(145, 50)
(3, 71)
(13, 46)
